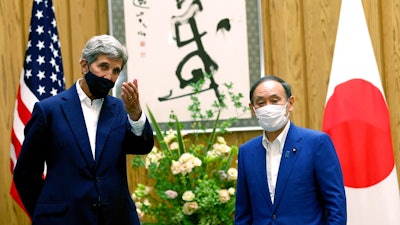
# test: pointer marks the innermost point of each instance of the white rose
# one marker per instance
(189, 208)
(224, 196)
(188, 196)
(196, 161)
(170, 136)
(186, 168)
(146, 202)
(140, 213)
(221, 140)
(231, 191)
(232, 174)
(174, 145)
(175, 167)
(185, 157)
(138, 205)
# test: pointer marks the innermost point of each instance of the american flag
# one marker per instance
(42, 75)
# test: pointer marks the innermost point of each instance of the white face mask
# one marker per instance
(272, 117)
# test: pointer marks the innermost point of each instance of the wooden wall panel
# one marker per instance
(390, 64)
(320, 26)
(11, 54)
(81, 18)
(299, 38)
(287, 47)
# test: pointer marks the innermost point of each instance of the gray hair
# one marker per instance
(104, 45)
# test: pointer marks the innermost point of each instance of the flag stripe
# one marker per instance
(24, 113)
(29, 99)
(15, 149)
(18, 128)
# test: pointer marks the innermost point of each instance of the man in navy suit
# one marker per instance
(289, 175)
(82, 135)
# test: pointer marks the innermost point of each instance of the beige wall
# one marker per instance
(299, 38)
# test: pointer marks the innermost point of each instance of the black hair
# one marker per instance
(285, 85)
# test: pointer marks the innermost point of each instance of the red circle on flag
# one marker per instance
(357, 119)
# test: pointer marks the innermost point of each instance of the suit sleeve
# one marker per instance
(330, 179)
(142, 144)
(243, 214)
(28, 173)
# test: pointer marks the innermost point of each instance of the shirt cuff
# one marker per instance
(137, 127)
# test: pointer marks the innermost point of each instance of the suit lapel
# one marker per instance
(261, 174)
(290, 154)
(74, 115)
(106, 120)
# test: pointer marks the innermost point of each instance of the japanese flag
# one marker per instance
(357, 119)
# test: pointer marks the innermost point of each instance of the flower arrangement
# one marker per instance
(194, 176)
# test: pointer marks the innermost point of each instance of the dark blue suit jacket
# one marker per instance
(77, 189)
(309, 188)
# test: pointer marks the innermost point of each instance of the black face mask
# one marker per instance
(98, 86)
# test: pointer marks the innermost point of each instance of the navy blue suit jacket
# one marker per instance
(78, 189)
(309, 188)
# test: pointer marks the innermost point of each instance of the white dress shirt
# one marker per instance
(91, 111)
(273, 157)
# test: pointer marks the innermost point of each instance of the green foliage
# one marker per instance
(194, 178)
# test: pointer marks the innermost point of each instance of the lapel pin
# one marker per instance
(287, 154)
(294, 150)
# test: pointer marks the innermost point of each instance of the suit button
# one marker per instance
(273, 217)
